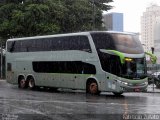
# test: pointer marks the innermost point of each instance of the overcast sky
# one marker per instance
(132, 10)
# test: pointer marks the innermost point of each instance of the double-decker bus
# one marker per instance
(94, 61)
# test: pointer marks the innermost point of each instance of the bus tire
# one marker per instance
(117, 93)
(22, 82)
(92, 87)
(31, 83)
(53, 89)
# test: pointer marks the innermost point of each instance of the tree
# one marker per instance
(83, 15)
(21, 18)
(101, 4)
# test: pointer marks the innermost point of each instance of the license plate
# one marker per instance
(137, 90)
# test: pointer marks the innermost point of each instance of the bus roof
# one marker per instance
(69, 34)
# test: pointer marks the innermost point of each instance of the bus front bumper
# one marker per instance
(128, 87)
(133, 88)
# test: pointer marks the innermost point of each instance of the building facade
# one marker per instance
(148, 21)
(113, 21)
(157, 39)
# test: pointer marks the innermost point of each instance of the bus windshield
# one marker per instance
(133, 68)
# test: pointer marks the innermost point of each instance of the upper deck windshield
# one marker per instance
(127, 43)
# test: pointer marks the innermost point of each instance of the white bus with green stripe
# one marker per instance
(97, 61)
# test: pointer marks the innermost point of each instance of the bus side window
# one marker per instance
(10, 46)
(84, 44)
(88, 68)
(9, 67)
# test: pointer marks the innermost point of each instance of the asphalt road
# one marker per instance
(18, 104)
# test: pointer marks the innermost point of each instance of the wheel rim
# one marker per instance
(31, 83)
(22, 83)
(93, 88)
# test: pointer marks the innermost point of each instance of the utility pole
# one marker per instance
(152, 49)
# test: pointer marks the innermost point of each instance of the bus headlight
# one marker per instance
(138, 84)
(121, 82)
(125, 83)
(146, 83)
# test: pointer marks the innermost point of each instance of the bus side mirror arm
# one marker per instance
(153, 57)
(117, 53)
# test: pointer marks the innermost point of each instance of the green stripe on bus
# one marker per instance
(120, 54)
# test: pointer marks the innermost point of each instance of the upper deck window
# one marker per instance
(80, 42)
(103, 41)
(126, 43)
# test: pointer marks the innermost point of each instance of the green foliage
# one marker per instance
(21, 18)
(100, 4)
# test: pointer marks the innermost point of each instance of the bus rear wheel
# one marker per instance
(22, 83)
(92, 88)
(31, 83)
(117, 93)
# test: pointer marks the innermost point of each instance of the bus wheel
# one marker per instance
(53, 89)
(22, 83)
(31, 83)
(117, 93)
(92, 87)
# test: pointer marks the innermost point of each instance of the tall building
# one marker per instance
(148, 21)
(113, 21)
(157, 38)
